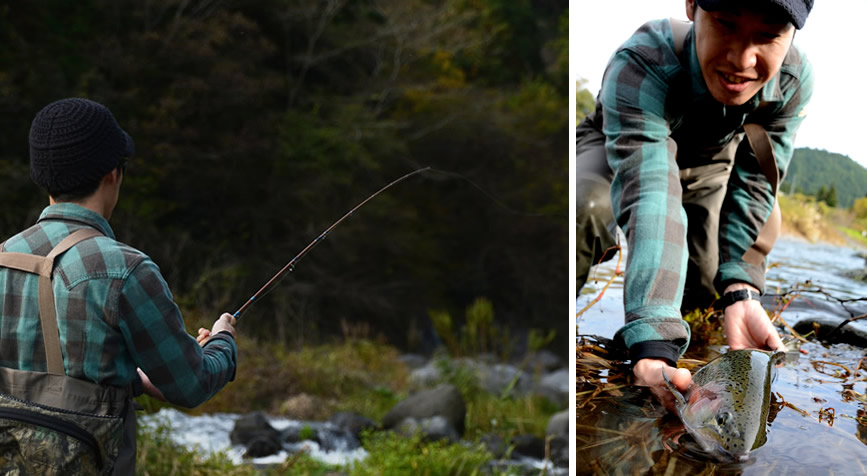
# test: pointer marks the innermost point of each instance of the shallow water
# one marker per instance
(210, 434)
(627, 433)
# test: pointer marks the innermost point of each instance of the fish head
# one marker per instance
(710, 417)
(726, 409)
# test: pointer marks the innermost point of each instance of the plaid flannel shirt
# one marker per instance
(114, 311)
(657, 111)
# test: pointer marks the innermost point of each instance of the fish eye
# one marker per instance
(722, 418)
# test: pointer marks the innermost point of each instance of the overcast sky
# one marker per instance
(832, 40)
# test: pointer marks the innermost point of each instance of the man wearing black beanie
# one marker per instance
(86, 322)
(693, 128)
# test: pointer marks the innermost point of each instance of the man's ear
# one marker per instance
(690, 10)
(112, 177)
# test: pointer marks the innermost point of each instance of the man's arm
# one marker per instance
(749, 198)
(646, 196)
(186, 373)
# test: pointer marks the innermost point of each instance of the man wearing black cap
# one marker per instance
(85, 319)
(694, 127)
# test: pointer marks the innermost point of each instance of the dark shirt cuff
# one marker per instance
(655, 349)
(225, 335)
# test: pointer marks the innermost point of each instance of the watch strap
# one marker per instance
(735, 296)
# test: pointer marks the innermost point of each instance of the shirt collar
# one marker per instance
(71, 212)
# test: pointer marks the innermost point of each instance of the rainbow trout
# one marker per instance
(726, 407)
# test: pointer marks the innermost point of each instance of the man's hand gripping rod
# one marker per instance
(291, 265)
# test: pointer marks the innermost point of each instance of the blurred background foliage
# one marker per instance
(258, 123)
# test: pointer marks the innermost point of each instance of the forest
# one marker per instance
(259, 123)
(833, 178)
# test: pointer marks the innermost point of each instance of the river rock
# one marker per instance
(300, 407)
(255, 433)
(543, 361)
(328, 436)
(432, 429)
(555, 387)
(496, 378)
(413, 361)
(261, 446)
(444, 400)
(425, 376)
(560, 451)
(528, 445)
(494, 444)
(558, 425)
(353, 423)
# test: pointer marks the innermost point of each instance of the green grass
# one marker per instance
(855, 235)
(388, 454)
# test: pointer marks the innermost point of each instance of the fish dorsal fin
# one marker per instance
(677, 395)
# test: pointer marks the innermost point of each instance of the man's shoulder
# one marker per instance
(796, 63)
(649, 52)
(654, 43)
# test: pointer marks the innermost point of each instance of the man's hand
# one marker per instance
(747, 325)
(148, 387)
(648, 373)
(226, 323)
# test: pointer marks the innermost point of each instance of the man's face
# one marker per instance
(739, 50)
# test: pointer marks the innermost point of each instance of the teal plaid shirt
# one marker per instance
(114, 311)
(656, 106)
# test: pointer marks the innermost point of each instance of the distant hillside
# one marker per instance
(812, 169)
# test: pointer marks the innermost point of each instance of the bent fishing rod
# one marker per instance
(291, 265)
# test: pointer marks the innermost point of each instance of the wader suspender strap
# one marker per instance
(764, 150)
(760, 142)
(43, 266)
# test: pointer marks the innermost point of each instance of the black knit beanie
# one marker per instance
(796, 11)
(74, 142)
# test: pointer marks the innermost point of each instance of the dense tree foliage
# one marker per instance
(822, 174)
(257, 123)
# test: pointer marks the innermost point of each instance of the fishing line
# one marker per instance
(493, 197)
(272, 283)
(290, 266)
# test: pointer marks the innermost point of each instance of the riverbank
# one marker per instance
(815, 222)
(508, 409)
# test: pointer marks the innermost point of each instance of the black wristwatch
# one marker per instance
(740, 295)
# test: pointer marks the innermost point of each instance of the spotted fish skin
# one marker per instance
(726, 407)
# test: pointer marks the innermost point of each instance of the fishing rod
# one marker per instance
(291, 265)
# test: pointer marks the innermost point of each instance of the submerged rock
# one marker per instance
(353, 423)
(326, 435)
(528, 445)
(560, 451)
(255, 433)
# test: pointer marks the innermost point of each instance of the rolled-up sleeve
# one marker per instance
(186, 373)
(646, 196)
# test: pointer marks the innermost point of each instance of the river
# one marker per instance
(624, 432)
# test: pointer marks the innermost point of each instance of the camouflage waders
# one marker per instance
(51, 424)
